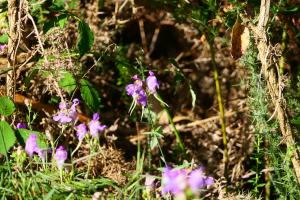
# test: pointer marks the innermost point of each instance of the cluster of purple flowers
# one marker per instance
(95, 127)
(137, 91)
(176, 181)
(31, 147)
(67, 113)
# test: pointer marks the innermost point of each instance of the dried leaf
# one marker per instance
(240, 39)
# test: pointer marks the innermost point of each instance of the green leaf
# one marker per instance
(296, 121)
(68, 82)
(86, 38)
(7, 137)
(90, 95)
(7, 106)
(23, 134)
(57, 5)
(4, 39)
(58, 21)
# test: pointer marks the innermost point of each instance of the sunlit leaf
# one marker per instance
(7, 106)
(90, 95)
(7, 137)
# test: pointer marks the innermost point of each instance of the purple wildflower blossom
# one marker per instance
(174, 181)
(142, 98)
(81, 131)
(60, 156)
(66, 114)
(136, 91)
(198, 180)
(21, 125)
(95, 126)
(31, 146)
(152, 83)
(2, 47)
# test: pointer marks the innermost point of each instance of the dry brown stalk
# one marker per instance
(272, 78)
(13, 35)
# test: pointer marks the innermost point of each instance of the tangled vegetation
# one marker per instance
(149, 99)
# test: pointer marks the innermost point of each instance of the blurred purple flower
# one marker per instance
(31, 147)
(81, 131)
(95, 126)
(31, 144)
(21, 125)
(2, 47)
(174, 181)
(66, 114)
(152, 83)
(198, 180)
(60, 156)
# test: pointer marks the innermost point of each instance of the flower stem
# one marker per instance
(221, 108)
(76, 149)
(177, 135)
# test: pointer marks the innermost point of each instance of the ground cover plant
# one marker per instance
(156, 99)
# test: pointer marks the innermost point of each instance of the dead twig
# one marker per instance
(273, 83)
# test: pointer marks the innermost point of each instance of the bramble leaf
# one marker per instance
(86, 38)
(7, 106)
(68, 82)
(7, 137)
(90, 95)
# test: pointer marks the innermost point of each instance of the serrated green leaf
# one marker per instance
(86, 38)
(4, 39)
(23, 134)
(90, 95)
(7, 106)
(7, 137)
(68, 82)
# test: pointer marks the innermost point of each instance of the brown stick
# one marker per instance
(12, 19)
(272, 78)
(20, 99)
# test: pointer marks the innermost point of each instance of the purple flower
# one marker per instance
(136, 91)
(95, 126)
(142, 98)
(2, 47)
(132, 89)
(198, 180)
(66, 114)
(60, 156)
(174, 181)
(81, 131)
(21, 125)
(31, 144)
(152, 83)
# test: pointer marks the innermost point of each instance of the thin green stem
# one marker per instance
(177, 135)
(221, 108)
